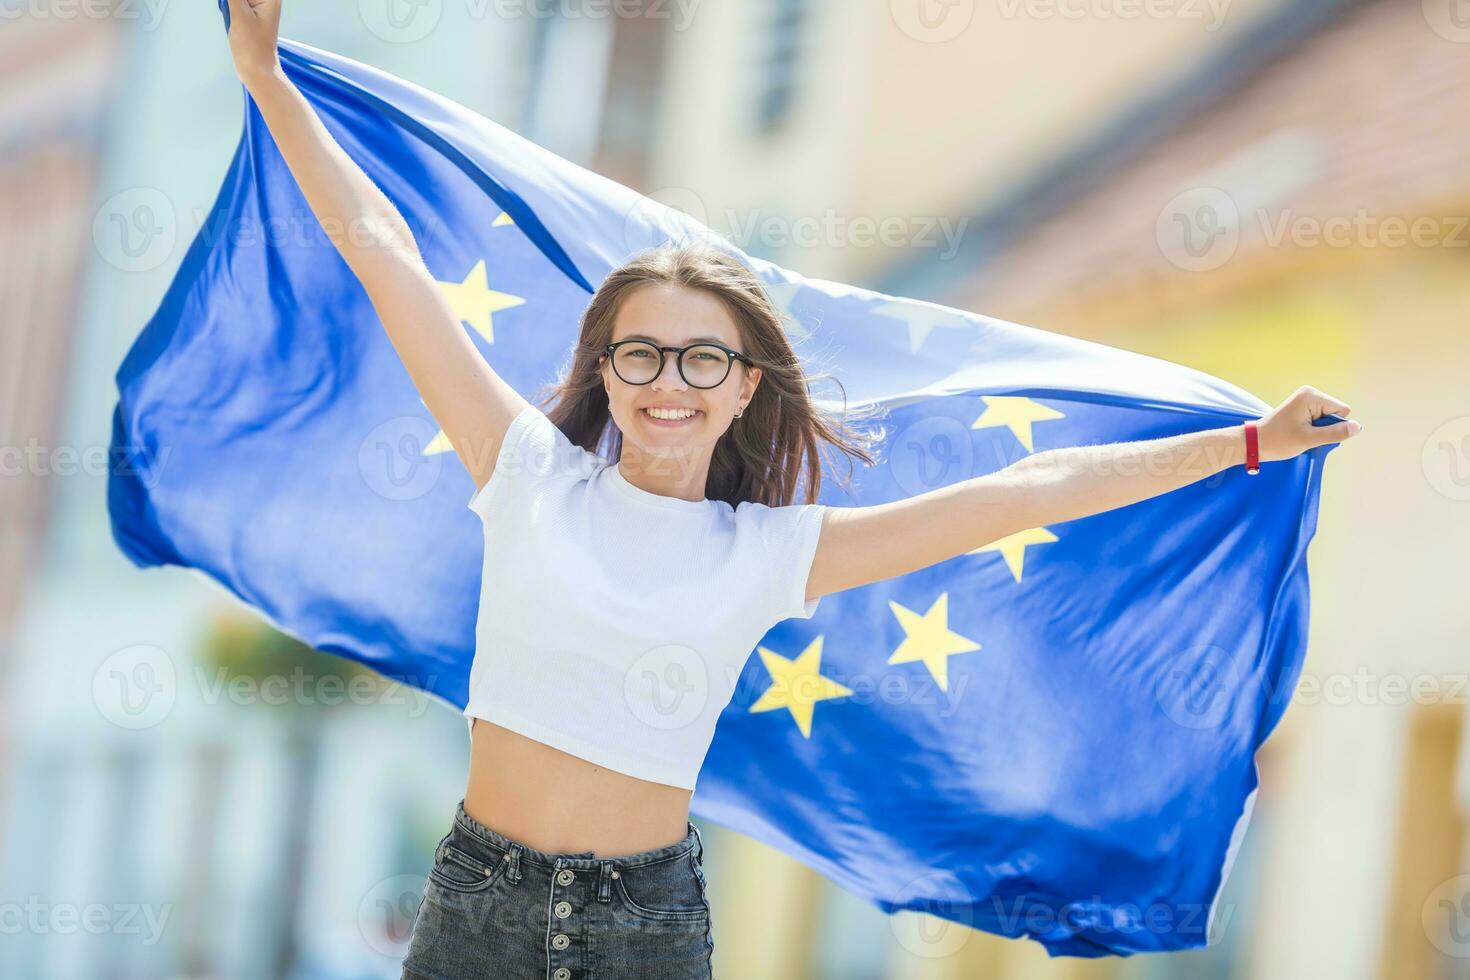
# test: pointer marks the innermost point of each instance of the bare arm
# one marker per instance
(471, 403)
(860, 545)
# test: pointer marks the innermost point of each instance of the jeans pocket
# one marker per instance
(460, 869)
(670, 891)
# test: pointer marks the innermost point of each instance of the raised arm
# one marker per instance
(860, 545)
(471, 403)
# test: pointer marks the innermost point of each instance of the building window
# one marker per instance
(782, 40)
(569, 61)
(630, 121)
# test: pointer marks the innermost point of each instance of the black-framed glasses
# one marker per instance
(702, 365)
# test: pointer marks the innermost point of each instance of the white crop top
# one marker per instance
(614, 622)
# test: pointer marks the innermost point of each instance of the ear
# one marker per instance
(751, 382)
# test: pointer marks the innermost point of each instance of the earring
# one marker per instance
(739, 412)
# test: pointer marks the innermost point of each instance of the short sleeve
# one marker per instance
(533, 450)
(790, 535)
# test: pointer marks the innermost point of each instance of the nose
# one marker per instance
(670, 371)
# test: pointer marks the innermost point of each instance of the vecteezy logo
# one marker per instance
(135, 230)
(937, 928)
(1199, 229)
(1450, 19)
(135, 687)
(1445, 916)
(400, 21)
(1194, 688)
(932, 452)
(667, 687)
(392, 462)
(932, 21)
(385, 916)
(674, 214)
(1446, 459)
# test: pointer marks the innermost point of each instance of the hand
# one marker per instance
(254, 28)
(1288, 430)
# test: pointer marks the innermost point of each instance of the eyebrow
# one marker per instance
(692, 340)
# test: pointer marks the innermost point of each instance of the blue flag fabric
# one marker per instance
(1052, 736)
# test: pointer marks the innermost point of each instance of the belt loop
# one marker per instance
(514, 871)
(604, 882)
(698, 843)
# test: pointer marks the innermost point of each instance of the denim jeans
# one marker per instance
(495, 908)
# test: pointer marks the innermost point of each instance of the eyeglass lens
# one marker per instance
(704, 366)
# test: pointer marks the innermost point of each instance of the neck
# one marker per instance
(683, 476)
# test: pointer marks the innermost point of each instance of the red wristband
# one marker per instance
(1252, 449)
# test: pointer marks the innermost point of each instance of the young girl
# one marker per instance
(622, 594)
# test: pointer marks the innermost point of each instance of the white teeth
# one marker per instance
(670, 413)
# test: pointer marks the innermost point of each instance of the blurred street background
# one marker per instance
(1272, 191)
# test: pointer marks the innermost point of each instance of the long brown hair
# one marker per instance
(761, 455)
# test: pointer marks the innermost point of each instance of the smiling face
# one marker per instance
(671, 315)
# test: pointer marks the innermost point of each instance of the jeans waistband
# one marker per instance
(576, 859)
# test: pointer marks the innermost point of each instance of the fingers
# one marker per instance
(1338, 431)
(241, 8)
(1319, 403)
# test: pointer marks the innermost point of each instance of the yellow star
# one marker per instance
(1013, 547)
(1016, 412)
(797, 685)
(476, 303)
(929, 639)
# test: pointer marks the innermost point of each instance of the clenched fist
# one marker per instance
(254, 28)
(1288, 430)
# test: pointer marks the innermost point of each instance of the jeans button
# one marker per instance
(562, 973)
(565, 877)
(563, 909)
(560, 941)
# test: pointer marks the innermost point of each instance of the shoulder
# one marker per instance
(780, 525)
(534, 455)
(781, 545)
(537, 445)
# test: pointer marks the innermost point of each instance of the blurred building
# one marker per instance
(1305, 221)
(829, 136)
(1187, 183)
(54, 99)
(154, 823)
(1274, 193)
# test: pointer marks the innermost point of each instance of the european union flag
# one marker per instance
(1051, 736)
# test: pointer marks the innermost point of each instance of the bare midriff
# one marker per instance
(553, 801)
